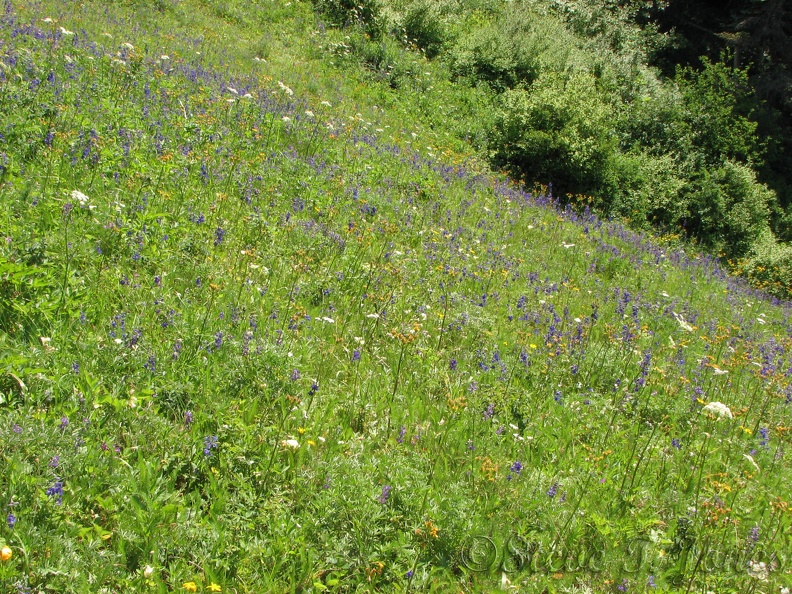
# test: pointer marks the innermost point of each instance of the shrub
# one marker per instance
(425, 25)
(729, 208)
(559, 132)
(513, 51)
(345, 13)
(769, 266)
(646, 189)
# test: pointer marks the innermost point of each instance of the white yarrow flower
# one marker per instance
(758, 570)
(65, 32)
(718, 409)
(290, 443)
(79, 196)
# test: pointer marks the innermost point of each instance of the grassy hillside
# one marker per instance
(267, 326)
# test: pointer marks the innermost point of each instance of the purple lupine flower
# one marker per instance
(452, 364)
(516, 467)
(295, 375)
(314, 389)
(552, 490)
(489, 412)
(16, 429)
(177, 347)
(75, 368)
(11, 520)
(188, 418)
(765, 433)
(675, 442)
(356, 355)
(383, 498)
(219, 235)
(54, 461)
(56, 490)
(402, 433)
(64, 422)
(624, 586)
(218, 340)
(409, 574)
(753, 536)
(650, 582)
(210, 443)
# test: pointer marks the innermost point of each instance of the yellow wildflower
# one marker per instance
(214, 587)
(190, 586)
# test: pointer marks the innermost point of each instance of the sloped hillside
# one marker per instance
(252, 341)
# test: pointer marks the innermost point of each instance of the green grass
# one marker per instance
(276, 350)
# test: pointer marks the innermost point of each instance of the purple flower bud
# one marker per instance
(383, 498)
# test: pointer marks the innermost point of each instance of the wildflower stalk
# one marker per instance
(278, 433)
(701, 459)
(65, 280)
(429, 484)
(201, 331)
(395, 386)
(442, 321)
(703, 551)
(640, 459)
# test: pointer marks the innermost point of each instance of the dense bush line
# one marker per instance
(574, 102)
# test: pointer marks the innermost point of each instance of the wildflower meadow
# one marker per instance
(267, 334)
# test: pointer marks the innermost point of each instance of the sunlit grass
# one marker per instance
(250, 342)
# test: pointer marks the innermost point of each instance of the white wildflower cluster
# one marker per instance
(290, 443)
(718, 409)
(82, 199)
(758, 570)
(285, 89)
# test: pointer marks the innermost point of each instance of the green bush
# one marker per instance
(769, 266)
(345, 13)
(513, 51)
(559, 132)
(645, 189)
(425, 25)
(382, 57)
(701, 117)
(729, 209)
